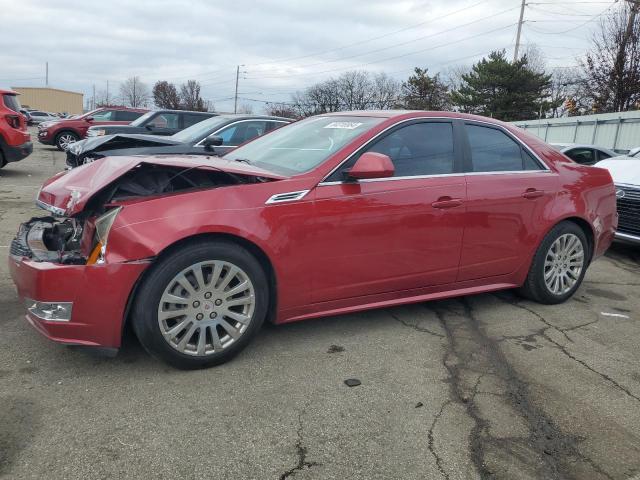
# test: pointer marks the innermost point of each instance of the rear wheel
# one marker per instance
(201, 305)
(64, 139)
(558, 266)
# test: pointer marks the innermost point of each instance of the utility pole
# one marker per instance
(107, 99)
(93, 101)
(235, 103)
(618, 67)
(46, 74)
(520, 22)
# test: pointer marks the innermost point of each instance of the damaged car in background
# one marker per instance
(214, 136)
(333, 214)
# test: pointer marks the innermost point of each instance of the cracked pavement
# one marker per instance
(486, 386)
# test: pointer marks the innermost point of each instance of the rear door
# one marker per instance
(507, 191)
(392, 234)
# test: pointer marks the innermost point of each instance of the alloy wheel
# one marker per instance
(206, 308)
(563, 264)
(65, 140)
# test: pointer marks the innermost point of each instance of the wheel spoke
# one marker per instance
(241, 287)
(184, 283)
(217, 344)
(197, 273)
(170, 298)
(215, 275)
(202, 341)
(174, 331)
(232, 331)
(183, 342)
(238, 317)
(231, 273)
(240, 301)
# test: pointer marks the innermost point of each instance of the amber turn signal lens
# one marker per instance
(95, 254)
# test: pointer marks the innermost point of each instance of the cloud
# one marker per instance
(284, 45)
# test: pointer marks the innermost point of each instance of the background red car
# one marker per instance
(332, 214)
(64, 132)
(15, 141)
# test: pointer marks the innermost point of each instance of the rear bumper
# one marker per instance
(14, 154)
(98, 294)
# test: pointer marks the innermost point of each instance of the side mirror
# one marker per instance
(372, 165)
(212, 141)
(149, 127)
(89, 119)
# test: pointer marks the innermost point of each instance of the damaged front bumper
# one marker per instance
(66, 299)
(76, 304)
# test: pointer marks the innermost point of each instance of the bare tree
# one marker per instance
(281, 110)
(355, 90)
(165, 95)
(134, 93)
(612, 67)
(245, 108)
(190, 96)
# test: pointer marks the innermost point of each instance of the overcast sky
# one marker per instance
(284, 45)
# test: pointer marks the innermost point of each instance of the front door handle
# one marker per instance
(533, 193)
(447, 202)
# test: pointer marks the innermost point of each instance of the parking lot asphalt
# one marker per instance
(486, 386)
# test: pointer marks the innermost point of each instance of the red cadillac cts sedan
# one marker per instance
(332, 214)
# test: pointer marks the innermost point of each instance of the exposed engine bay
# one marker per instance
(71, 240)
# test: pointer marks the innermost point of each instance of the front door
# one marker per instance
(391, 234)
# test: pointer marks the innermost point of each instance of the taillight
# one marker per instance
(13, 121)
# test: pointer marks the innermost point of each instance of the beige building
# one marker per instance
(50, 99)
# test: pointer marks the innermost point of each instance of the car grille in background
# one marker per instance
(628, 210)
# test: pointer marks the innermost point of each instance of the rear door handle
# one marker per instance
(447, 202)
(533, 193)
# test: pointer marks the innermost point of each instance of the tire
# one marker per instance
(2, 161)
(570, 243)
(161, 328)
(65, 138)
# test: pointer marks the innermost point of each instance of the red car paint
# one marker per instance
(342, 247)
(80, 125)
(15, 141)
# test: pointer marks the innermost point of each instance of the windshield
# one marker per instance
(199, 130)
(300, 147)
(138, 122)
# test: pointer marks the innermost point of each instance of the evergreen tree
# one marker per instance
(423, 92)
(496, 87)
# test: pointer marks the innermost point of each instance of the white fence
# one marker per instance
(618, 131)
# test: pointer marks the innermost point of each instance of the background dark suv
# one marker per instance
(158, 122)
(15, 141)
(64, 132)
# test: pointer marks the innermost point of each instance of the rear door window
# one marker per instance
(585, 156)
(126, 116)
(492, 150)
(11, 102)
(191, 119)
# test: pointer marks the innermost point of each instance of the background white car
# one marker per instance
(625, 171)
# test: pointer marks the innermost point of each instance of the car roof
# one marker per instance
(415, 114)
(166, 110)
(245, 116)
(7, 92)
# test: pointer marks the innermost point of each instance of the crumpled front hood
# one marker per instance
(622, 169)
(67, 193)
(120, 140)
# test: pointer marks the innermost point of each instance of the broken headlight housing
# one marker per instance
(103, 225)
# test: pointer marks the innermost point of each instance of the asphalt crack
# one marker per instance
(415, 326)
(301, 451)
(431, 439)
(567, 353)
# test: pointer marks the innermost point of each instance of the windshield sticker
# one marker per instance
(344, 125)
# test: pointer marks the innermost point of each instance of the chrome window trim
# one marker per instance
(546, 168)
(234, 123)
(292, 197)
(56, 211)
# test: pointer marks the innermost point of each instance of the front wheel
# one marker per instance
(558, 266)
(201, 305)
(64, 139)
